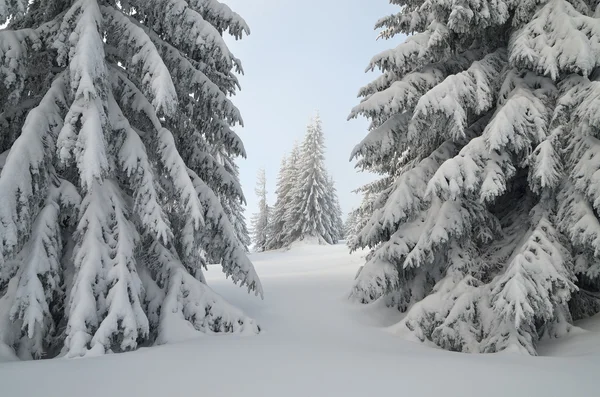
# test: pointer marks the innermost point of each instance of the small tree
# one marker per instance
(277, 223)
(260, 223)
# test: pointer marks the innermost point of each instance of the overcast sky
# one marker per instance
(304, 56)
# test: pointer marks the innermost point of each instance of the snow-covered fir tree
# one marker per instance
(488, 236)
(336, 211)
(350, 224)
(280, 209)
(260, 222)
(314, 212)
(282, 215)
(113, 116)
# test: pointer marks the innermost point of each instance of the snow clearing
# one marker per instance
(314, 342)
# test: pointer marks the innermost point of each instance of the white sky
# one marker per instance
(304, 56)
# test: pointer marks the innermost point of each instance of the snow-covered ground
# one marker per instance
(315, 343)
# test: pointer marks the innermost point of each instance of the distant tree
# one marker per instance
(350, 224)
(337, 222)
(280, 210)
(260, 223)
(291, 214)
(314, 211)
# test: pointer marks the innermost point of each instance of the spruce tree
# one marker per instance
(289, 200)
(113, 115)
(337, 222)
(280, 209)
(315, 213)
(488, 234)
(260, 224)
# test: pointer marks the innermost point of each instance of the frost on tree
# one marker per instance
(485, 121)
(117, 172)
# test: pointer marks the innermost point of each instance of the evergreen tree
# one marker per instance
(314, 213)
(488, 233)
(260, 223)
(112, 113)
(335, 211)
(350, 224)
(280, 209)
(290, 203)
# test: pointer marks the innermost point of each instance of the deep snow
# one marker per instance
(314, 343)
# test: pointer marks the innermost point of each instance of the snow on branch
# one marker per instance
(168, 155)
(137, 48)
(136, 104)
(134, 161)
(409, 20)
(186, 29)
(220, 232)
(558, 40)
(416, 51)
(385, 141)
(445, 108)
(214, 173)
(189, 305)
(25, 174)
(12, 9)
(521, 297)
(519, 125)
(188, 79)
(82, 136)
(586, 117)
(401, 96)
(221, 17)
(14, 50)
(407, 196)
(389, 94)
(40, 273)
(578, 220)
(182, 182)
(124, 322)
(476, 171)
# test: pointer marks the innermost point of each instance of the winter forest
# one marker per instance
(135, 200)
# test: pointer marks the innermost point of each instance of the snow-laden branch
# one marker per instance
(137, 49)
(186, 29)
(134, 161)
(418, 50)
(24, 175)
(445, 108)
(222, 17)
(14, 51)
(219, 231)
(559, 40)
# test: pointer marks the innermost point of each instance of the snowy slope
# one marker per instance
(314, 343)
